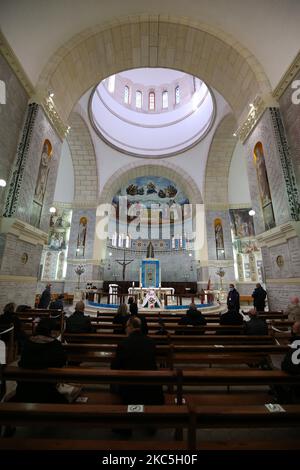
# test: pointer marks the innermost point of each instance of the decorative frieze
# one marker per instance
(286, 163)
(19, 166)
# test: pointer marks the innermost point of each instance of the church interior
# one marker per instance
(149, 171)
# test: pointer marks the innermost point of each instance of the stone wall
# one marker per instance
(18, 270)
(11, 117)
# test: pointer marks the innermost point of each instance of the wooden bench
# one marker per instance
(31, 317)
(85, 415)
(237, 416)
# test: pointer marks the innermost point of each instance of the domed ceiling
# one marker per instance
(152, 112)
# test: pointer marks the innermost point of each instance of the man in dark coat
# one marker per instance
(137, 352)
(291, 364)
(232, 317)
(256, 325)
(40, 352)
(233, 299)
(58, 303)
(45, 297)
(78, 322)
(193, 317)
(259, 296)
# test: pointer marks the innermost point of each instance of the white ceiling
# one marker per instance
(270, 29)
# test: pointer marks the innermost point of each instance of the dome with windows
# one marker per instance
(152, 112)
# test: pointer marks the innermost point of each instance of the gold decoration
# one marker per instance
(24, 258)
(280, 261)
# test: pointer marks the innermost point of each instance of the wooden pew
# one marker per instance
(85, 415)
(237, 416)
(31, 317)
(171, 355)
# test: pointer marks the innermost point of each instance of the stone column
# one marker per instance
(21, 243)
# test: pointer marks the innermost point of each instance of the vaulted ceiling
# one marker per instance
(269, 29)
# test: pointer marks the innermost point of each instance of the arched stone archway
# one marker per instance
(153, 41)
(167, 170)
(218, 163)
(84, 162)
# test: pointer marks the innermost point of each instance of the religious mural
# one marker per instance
(81, 237)
(148, 190)
(41, 184)
(263, 185)
(219, 238)
(59, 230)
(241, 223)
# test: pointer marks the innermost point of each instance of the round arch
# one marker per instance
(218, 163)
(153, 41)
(134, 170)
(84, 161)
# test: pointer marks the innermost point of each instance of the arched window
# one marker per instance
(111, 83)
(177, 95)
(165, 100)
(263, 186)
(126, 94)
(219, 238)
(151, 103)
(138, 99)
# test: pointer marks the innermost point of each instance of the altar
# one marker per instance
(150, 291)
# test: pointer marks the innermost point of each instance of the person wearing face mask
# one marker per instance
(233, 299)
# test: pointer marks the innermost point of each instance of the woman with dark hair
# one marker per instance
(134, 312)
(121, 318)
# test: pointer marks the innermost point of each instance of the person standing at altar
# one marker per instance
(233, 299)
(45, 297)
(259, 297)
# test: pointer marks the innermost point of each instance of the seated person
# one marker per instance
(8, 318)
(231, 317)
(137, 352)
(293, 309)
(78, 322)
(134, 311)
(58, 303)
(40, 352)
(193, 317)
(121, 318)
(290, 364)
(256, 325)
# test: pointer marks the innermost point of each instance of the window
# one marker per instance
(151, 104)
(138, 99)
(126, 94)
(177, 95)
(165, 99)
(111, 83)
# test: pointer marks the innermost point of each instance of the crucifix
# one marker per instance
(124, 263)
